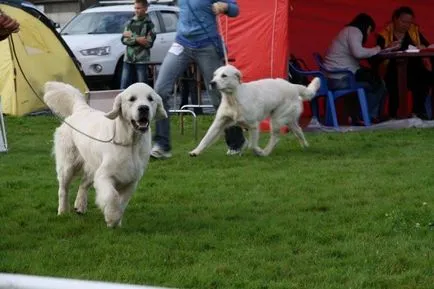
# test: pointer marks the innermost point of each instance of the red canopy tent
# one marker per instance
(258, 38)
(262, 36)
(264, 33)
(314, 23)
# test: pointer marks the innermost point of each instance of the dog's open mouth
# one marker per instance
(141, 124)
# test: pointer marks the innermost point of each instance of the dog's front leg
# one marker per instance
(125, 195)
(107, 198)
(216, 128)
(254, 140)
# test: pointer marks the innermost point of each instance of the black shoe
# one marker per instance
(375, 120)
(198, 111)
(355, 121)
(422, 116)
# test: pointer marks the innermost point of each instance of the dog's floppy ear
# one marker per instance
(160, 112)
(238, 75)
(116, 111)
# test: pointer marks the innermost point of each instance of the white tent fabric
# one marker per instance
(414, 122)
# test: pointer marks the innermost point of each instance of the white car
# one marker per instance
(94, 36)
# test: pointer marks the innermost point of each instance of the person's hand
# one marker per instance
(127, 34)
(141, 40)
(8, 25)
(427, 63)
(395, 45)
(219, 8)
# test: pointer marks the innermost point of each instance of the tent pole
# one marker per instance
(3, 139)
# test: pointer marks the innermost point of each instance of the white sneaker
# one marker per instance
(232, 152)
(158, 153)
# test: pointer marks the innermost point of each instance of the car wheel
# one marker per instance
(116, 84)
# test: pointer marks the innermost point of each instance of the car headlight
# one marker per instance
(99, 51)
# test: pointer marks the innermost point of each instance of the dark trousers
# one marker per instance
(375, 91)
(132, 72)
(188, 89)
(419, 82)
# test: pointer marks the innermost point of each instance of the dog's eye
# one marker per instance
(150, 98)
(132, 99)
(224, 75)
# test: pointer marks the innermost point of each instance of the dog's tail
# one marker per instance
(63, 99)
(309, 92)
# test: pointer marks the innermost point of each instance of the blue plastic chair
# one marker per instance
(353, 87)
(322, 91)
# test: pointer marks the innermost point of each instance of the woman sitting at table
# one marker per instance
(345, 52)
(419, 70)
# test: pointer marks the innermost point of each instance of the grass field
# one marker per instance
(354, 210)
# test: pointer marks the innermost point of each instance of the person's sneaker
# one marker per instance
(234, 152)
(158, 153)
(422, 116)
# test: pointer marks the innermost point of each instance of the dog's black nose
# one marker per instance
(143, 108)
(213, 84)
(143, 111)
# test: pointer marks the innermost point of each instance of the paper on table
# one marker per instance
(387, 50)
(412, 48)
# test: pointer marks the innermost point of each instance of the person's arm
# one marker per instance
(427, 62)
(393, 46)
(232, 9)
(8, 25)
(147, 35)
(423, 41)
(381, 41)
(127, 37)
(228, 7)
(355, 38)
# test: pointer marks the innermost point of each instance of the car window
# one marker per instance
(98, 23)
(170, 20)
(154, 20)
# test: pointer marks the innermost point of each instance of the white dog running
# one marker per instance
(111, 150)
(247, 104)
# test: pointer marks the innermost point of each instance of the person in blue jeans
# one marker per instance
(197, 40)
(138, 36)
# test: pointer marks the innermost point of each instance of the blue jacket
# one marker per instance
(198, 28)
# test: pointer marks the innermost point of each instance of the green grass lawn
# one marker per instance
(354, 210)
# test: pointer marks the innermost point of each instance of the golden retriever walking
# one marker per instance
(111, 151)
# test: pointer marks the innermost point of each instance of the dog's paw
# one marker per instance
(80, 211)
(193, 153)
(259, 152)
(113, 216)
(80, 206)
(114, 224)
(61, 211)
